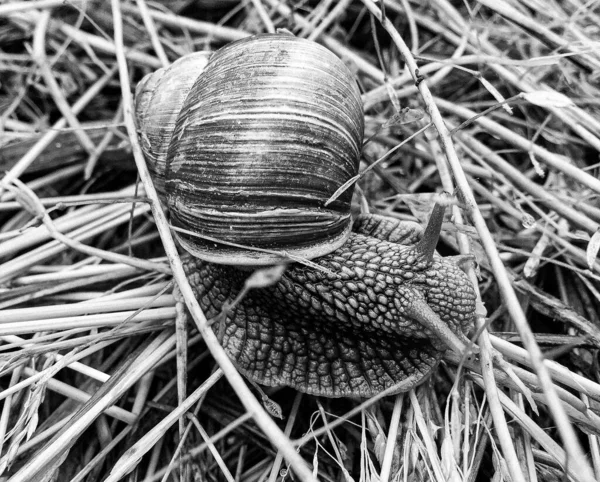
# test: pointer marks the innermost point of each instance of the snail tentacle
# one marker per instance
(425, 248)
(417, 308)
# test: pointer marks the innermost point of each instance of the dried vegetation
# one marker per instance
(92, 359)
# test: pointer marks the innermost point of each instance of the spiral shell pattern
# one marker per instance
(158, 100)
(271, 128)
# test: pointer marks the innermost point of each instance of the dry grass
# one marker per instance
(102, 379)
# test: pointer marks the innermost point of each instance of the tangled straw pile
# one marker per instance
(100, 374)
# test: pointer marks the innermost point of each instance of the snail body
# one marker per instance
(270, 128)
(360, 325)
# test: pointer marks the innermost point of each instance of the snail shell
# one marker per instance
(269, 130)
(158, 100)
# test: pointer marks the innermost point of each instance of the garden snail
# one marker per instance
(269, 130)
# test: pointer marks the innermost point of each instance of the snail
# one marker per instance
(256, 141)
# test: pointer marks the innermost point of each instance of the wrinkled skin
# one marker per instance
(349, 330)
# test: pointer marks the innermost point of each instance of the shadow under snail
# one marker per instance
(246, 145)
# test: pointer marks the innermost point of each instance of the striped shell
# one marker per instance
(268, 132)
(158, 100)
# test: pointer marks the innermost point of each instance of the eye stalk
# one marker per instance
(425, 248)
(416, 306)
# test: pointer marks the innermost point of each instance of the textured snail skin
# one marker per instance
(349, 331)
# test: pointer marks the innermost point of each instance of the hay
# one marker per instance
(101, 375)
